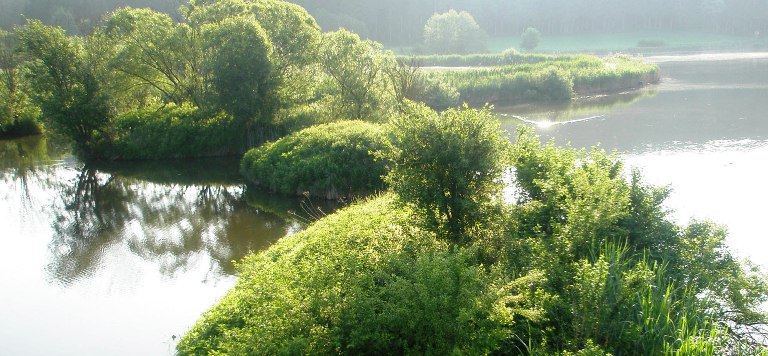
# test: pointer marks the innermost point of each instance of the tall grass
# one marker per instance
(556, 79)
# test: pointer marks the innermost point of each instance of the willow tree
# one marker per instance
(241, 71)
(358, 77)
(153, 53)
(292, 32)
(67, 90)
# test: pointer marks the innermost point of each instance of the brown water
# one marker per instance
(703, 130)
(117, 259)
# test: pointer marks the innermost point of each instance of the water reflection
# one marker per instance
(175, 215)
(154, 216)
(545, 115)
(696, 103)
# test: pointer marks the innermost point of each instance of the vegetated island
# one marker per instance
(583, 260)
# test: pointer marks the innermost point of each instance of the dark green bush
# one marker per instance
(174, 131)
(331, 160)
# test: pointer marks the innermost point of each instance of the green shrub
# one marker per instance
(330, 160)
(364, 281)
(173, 131)
(447, 166)
(585, 262)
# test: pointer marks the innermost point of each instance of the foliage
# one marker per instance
(67, 91)
(626, 273)
(357, 78)
(409, 82)
(18, 116)
(364, 281)
(549, 78)
(508, 57)
(453, 32)
(173, 131)
(241, 70)
(331, 160)
(585, 262)
(447, 166)
(293, 33)
(530, 39)
(153, 53)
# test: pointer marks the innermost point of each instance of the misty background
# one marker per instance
(401, 22)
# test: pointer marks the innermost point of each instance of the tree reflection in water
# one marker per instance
(176, 215)
(173, 225)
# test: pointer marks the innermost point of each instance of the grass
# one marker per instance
(555, 78)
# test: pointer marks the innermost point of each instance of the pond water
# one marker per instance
(120, 259)
(703, 130)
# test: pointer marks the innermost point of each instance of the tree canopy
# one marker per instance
(453, 33)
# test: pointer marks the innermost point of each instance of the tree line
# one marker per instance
(402, 21)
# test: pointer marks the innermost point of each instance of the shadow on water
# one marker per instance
(172, 214)
(582, 109)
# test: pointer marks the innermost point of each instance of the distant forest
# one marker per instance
(402, 21)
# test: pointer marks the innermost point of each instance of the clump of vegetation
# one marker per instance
(530, 39)
(584, 261)
(453, 32)
(557, 79)
(330, 160)
(447, 166)
(66, 88)
(172, 131)
(359, 281)
(18, 116)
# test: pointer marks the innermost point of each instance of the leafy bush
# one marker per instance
(585, 257)
(328, 160)
(362, 281)
(173, 131)
(447, 166)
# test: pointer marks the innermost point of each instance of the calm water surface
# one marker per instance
(117, 259)
(703, 130)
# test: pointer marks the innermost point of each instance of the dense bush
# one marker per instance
(447, 166)
(172, 132)
(331, 160)
(585, 261)
(357, 282)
